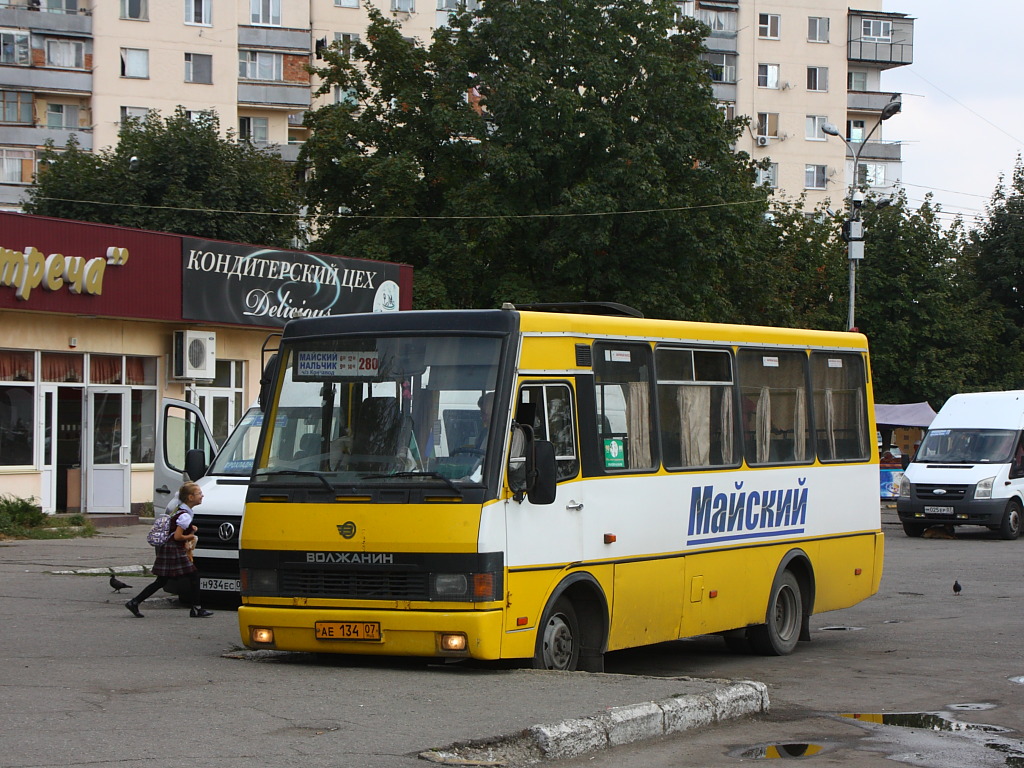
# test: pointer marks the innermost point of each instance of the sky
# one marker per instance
(962, 123)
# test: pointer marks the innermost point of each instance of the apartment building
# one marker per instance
(795, 66)
(82, 66)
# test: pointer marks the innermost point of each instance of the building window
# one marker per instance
(814, 125)
(728, 109)
(855, 130)
(14, 47)
(137, 10)
(137, 112)
(345, 96)
(260, 65)
(768, 124)
(17, 166)
(198, 68)
(817, 78)
(405, 6)
(65, 53)
(723, 66)
(16, 107)
(60, 6)
(197, 115)
(16, 423)
(199, 12)
(62, 116)
(876, 31)
(767, 75)
(857, 81)
(768, 177)
(817, 29)
(255, 130)
(265, 12)
(135, 62)
(768, 25)
(871, 174)
(815, 176)
(685, 8)
(346, 3)
(719, 21)
(347, 40)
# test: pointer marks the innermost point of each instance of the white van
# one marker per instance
(183, 452)
(969, 469)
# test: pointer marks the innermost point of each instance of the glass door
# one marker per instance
(108, 446)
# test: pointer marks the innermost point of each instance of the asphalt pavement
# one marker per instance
(86, 683)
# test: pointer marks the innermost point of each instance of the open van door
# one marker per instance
(181, 428)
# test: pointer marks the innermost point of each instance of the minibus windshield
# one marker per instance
(967, 446)
(359, 410)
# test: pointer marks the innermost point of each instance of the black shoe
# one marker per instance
(132, 606)
(199, 613)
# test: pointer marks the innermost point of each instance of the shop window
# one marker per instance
(140, 370)
(17, 416)
(16, 366)
(143, 425)
(105, 369)
(62, 368)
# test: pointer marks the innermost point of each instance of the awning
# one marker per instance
(908, 415)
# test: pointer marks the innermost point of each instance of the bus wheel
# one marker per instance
(558, 638)
(779, 635)
(1010, 528)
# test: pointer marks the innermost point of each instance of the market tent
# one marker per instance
(908, 415)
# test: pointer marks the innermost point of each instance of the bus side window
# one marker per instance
(840, 410)
(548, 408)
(774, 405)
(622, 380)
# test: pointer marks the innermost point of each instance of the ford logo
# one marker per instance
(939, 491)
(226, 531)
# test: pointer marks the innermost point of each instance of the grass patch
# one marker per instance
(24, 519)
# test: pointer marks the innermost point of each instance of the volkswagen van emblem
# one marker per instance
(226, 531)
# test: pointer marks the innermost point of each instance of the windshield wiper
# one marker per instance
(433, 475)
(302, 473)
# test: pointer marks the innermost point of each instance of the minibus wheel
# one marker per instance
(913, 530)
(558, 638)
(1010, 527)
(779, 634)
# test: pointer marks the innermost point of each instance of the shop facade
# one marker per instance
(99, 324)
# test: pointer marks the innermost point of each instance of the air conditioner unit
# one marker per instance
(194, 355)
(762, 141)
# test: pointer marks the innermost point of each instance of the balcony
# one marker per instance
(37, 135)
(885, 40)
(274, 95)
(867, 101)
(18, 17)
(274, 38)
(41, 80)
(887, 151)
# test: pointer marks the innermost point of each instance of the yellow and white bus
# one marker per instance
(528, 483)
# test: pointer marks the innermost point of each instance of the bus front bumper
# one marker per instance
(377, 632)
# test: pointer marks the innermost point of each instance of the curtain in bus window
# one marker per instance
(763, 421)
(638, 409)
(695, 419)
(862, 434)
(800, 425)
(727, 428)
(830, 423)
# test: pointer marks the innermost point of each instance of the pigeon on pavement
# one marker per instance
(956, 587)
(117, 585)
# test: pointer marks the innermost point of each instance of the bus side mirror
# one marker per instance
(195, 464)
(543, 473)
(267, 382)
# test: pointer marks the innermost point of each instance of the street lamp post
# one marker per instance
(853, 227)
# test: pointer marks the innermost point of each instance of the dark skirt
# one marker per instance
(171, 560)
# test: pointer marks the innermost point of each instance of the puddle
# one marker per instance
(781, 751)
(970, 707)
(931, 721)
(841, 629)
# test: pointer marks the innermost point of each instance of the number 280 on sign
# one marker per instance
(325, 364)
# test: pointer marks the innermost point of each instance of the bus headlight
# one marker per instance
(469, 587)
(258, 581)
(904, 487)
(984, 488)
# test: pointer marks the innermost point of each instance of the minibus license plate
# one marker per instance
(348, 630)
(219, 585)
(938, 510)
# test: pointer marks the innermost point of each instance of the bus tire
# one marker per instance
(779, 634)
(558, 638)
(1009, 529)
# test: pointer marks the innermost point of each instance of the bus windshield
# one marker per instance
(967, 446)
(358, 410)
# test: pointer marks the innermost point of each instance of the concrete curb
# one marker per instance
(617, 726)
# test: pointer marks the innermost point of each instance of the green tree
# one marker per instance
(510, 158)
(930, 328)
(175, 175)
